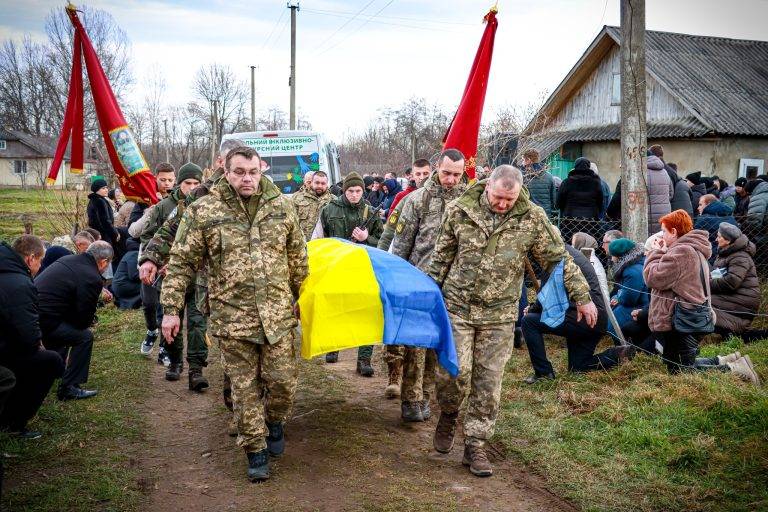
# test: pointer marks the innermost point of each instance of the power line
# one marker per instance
(346, 23)
(282, 13)
(370, 19)
(357, 29)
(280, 34)
(402, 18)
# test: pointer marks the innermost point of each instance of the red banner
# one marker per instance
(136, 180)
(464, 129)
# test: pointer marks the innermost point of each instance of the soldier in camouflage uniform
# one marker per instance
(309, 202)
(249, 235)
(344, 218)
(478, 261)
(188, 178)
(416, 232)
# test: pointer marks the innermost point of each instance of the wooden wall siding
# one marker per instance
(591, 105)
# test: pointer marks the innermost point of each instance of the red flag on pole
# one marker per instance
(136, 180)
(464, 129)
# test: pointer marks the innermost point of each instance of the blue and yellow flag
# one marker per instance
(358, 295)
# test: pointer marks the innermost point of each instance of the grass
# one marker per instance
(86, 459)
(636, 438)
(49, 211)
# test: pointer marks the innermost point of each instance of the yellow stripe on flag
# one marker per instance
(340, 303)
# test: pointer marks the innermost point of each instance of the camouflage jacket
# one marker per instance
(158, 249)
(339, 218)
(388, 233)
(160, 213)
(257, 260)
(308, 206)
(479, 256)
(420, 220)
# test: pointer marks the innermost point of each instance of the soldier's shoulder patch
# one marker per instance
(393, 217)
(400, 227)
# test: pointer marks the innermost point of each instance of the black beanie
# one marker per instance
(98, 184)
(189, 171)
(741, 182)
(694, 177)
(581, 164)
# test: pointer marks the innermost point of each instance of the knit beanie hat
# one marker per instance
(368, 180)
(581, 164)
(189, 171)
(729, 231)
(694, 177)
(620, 247)
(353, 180)
(741, 182)
(98, 184)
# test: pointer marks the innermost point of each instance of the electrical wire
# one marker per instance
(370, 20)
(279, 19)
(350, 20)
(400, 18)
(356, 30)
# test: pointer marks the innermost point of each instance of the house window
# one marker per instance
(2, 145)
(616, 89)
(751, 167)
(20, 167)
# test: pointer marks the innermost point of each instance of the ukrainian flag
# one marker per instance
(358, 295)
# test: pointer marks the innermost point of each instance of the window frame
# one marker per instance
(24, 166)
(616, 95)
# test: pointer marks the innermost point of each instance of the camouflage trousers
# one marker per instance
(263, 380)
(418, 374)
(197, 349)
(483, 352)
(393, 353)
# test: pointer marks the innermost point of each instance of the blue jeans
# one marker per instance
(580, 339)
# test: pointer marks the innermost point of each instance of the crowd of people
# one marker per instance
(226, 254)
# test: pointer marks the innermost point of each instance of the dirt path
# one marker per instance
(346, 450)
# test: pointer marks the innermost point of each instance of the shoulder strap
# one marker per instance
(365, 213)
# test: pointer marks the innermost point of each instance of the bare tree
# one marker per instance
(218, 91)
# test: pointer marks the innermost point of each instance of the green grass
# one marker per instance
(49, 211)
(636, 438)
(86, 459)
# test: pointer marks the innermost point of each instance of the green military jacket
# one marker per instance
(160, 213)
(308, 206)
(257, 260)
(479, 256)
(420, 220)
(388, 233)
(339, 218)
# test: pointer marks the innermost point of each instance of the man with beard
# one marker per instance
(309, 201)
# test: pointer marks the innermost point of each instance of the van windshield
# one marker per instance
(287, 171)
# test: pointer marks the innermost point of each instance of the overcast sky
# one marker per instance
(355, 57)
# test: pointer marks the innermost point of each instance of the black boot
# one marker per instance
(364, 367)
(536, 377)
(332, 357)
(173, 373)
(518, 343)
(275, 439)
(197, 382)
(258, 466)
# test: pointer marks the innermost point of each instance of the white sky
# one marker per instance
(411, 48)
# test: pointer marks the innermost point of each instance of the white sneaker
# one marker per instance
(730, 358)
(743, 369)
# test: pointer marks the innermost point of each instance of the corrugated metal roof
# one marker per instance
(725, 81)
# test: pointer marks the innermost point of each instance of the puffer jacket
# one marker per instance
(710, 219)
(676, 275)
(631, 290)
(681, 200)
(738, 289)
(660, 192)
(581, 195)
(758, 205)
(541, 186)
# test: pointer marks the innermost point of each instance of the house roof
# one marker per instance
(37, 146)
(722, 82)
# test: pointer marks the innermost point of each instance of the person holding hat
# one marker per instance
(627, 269)
(351, 217)
(101, 217)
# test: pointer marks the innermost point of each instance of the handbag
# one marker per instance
(700, 319)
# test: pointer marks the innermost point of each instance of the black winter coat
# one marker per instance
(126, 284)
(696, 193)
(69, 290)
(20, 334)
(581, 195)
(102, 218)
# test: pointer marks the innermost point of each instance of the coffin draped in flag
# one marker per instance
(136, 180)
(358, 295)
(464, 130)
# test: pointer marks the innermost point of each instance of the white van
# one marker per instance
(292, 153)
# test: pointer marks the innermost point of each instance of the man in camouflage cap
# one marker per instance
(249, 235)
(310, 200)
(478, 261)
(416, 232)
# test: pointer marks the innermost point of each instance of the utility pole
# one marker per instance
(165, 128)
(293, 6)
(634, 142)
(214, 130)
(253, 98)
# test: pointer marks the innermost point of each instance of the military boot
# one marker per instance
(197, 382)
(173, 373)
(445, 431)
(426, 412)
(395, 378)
(364, 367)
(332, 357)
(232, 428)
(477, 460)
(410, 411)
(258, 466)
(275, 439)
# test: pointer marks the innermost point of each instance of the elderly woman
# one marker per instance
(675, 270)
(627, 270)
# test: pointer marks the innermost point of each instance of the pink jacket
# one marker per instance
(676, 274)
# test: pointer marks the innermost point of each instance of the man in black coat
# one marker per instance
(21, 349)
(580, 201)
(580, 338)
(69, 290)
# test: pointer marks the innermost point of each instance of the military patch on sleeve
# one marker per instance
(393, 217)
(181, 233)
(400, 227)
